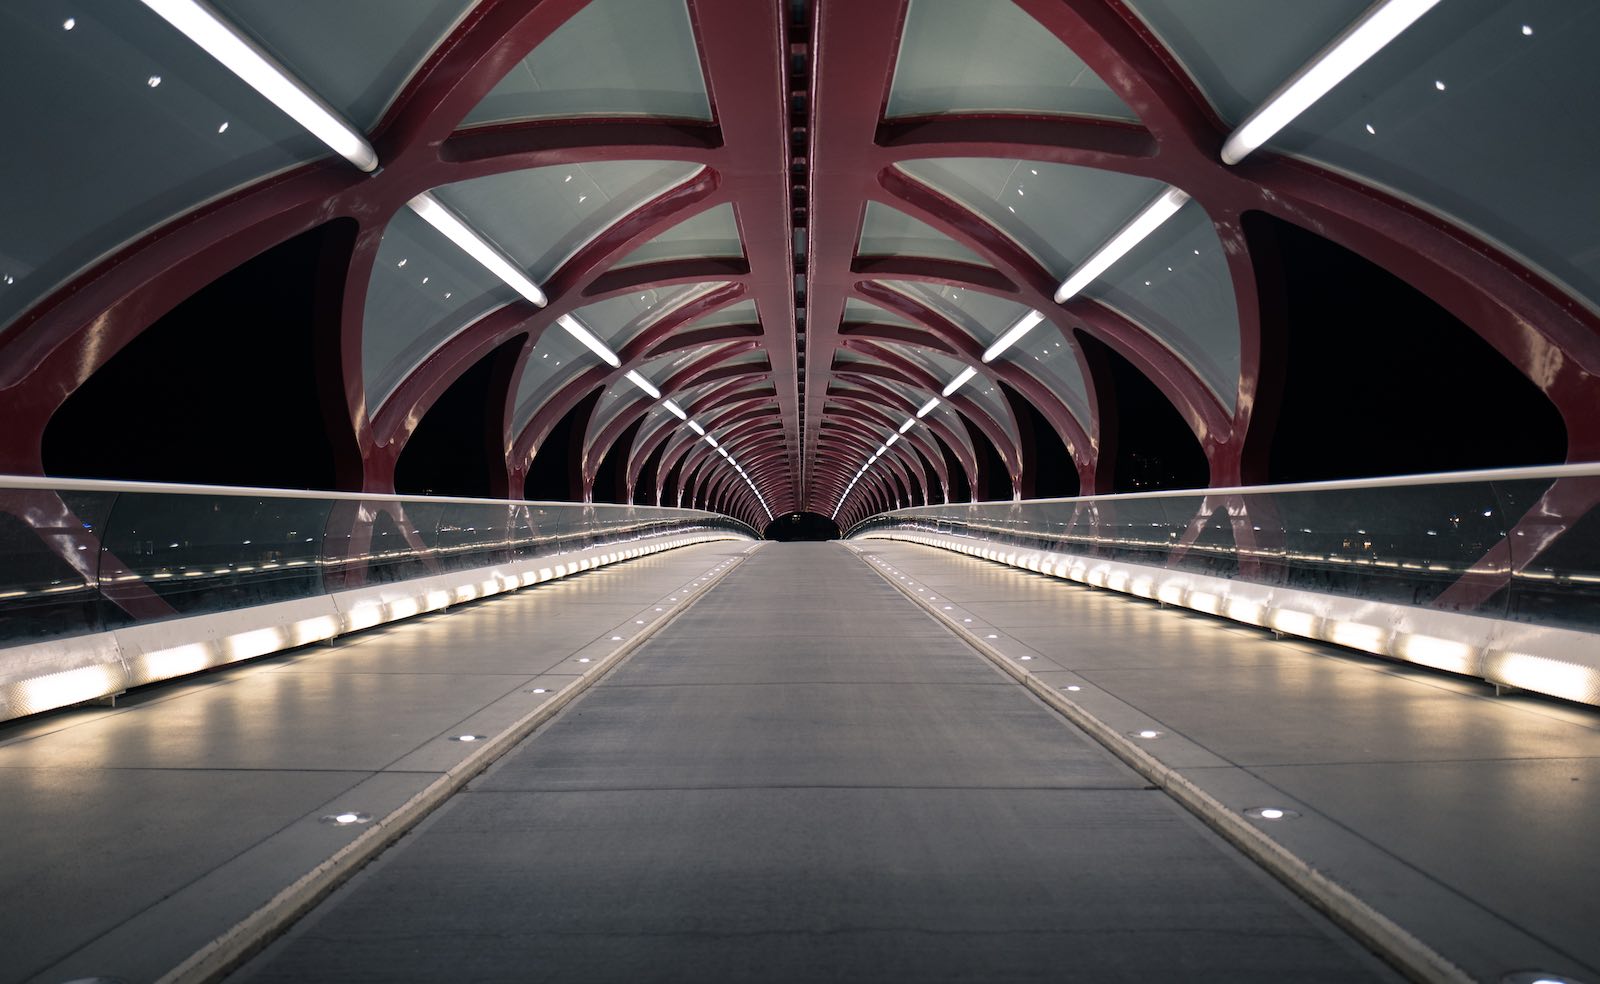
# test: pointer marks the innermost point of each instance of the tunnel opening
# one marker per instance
(793, 527)
(224, 389)
(1378, 379)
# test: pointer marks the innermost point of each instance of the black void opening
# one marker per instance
(458, 448)
(790, 527)
(556, 473)
(1155, 449)
(1378, 379)
(236, 385)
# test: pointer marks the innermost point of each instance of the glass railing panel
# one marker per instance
(1520, 544)
(194, 554)
(51, 552)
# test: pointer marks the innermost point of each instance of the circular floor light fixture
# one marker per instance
(1272, 813)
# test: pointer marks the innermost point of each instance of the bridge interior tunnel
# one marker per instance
(1201, 403)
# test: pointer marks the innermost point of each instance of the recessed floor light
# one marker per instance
(537, 690)
(468, 738)
(1073, 687)
(583, 659)
(1147, 733)
(1271, 813)
(346, 818)
(1536, 977)
(616, 638)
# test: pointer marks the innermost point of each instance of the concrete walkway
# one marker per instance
(132, 836)
(1464, 817)
(806, 778)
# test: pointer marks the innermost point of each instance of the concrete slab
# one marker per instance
(85, 849)
(1459, 815)
(794, 826)
(134, 834)
(810, 885)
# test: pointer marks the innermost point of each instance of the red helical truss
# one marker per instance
(798, 152)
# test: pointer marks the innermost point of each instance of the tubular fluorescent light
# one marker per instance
(1024, 325)
(910, 423)
(1348, 52)
(960, 380)
(711, 441)
(576, 329)
(444, 220)
(723, 452)
(694, 425)
(1118, 246)
(240, 56)
(890, 442)
(927, 408)
(644, 384)
(675, 410)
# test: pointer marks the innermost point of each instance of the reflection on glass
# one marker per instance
(1176, 284)
(959, 56)
(612, 58)
(980, 314)
(423, 290)
(355, 54)
(1057, 212)
(1448, 113)
(1517, 548)
(74, 562)
(1045, 355)
(541, 216)
(108, 154)
(711, 234)
(556, 360)
(1240, 51)
(888, 231)
(861, 312)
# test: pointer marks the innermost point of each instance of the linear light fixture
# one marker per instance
(576, 329)
(712, 441)
(694, 425)
(222, 41)
(1381, 24)
(644, 384)
(959, 381)
(1118, 246)
(674, 409)
(447, 222)
(927, 408)
(910, 423)
(1024, 325)
(890, 442)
